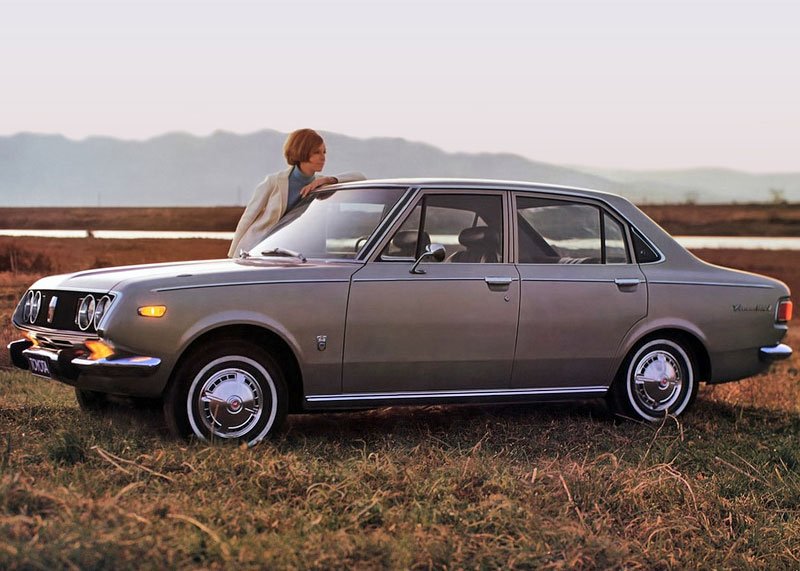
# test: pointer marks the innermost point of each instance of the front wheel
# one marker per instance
(227, 391)
(657, 379)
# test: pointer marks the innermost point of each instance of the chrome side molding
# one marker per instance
(406, 395)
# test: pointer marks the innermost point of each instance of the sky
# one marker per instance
(643, 84)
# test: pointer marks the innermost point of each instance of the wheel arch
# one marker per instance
(689, 340)
(265, 338)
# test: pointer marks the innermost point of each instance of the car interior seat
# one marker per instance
(480, 246)
(405, 241)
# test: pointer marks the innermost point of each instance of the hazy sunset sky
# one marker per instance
(640, 84)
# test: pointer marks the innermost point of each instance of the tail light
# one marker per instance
(785, 311)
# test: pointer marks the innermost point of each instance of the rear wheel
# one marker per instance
(658, 378)
(231, 391)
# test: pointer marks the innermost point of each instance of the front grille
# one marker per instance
(66, 311)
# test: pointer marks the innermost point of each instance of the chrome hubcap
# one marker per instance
(231, 403)
(658, 380)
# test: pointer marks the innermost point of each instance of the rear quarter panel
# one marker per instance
(732, 313)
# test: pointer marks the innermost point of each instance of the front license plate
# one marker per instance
(39, 366)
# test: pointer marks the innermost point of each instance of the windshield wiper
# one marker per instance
(283, 252)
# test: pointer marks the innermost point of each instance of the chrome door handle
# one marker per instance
(629, 283)
(497, 283)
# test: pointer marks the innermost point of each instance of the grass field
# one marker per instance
(551, 487)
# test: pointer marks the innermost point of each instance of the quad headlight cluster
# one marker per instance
(31, 307)
(91, 311)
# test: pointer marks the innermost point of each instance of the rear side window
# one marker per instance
(563, 232)
(644, 253)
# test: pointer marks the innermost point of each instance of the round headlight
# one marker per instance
(100, 310)
(86, 312)
(26, 309)
(36, 305)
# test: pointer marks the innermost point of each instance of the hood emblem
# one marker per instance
(51, 309)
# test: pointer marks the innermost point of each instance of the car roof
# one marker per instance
(479, 184)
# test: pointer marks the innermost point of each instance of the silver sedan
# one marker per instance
(411, 292)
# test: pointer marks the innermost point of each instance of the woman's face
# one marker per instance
(316, 161)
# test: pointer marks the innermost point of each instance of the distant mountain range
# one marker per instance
(221, 169)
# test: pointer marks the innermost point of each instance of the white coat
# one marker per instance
(267, 206)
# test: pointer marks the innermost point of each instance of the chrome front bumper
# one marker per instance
(775, 353)
(65, 365)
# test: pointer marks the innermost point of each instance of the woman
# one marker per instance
(280, 192)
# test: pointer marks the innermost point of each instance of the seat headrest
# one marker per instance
(406, 240)
(475, 236)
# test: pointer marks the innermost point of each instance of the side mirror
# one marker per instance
(434, 251)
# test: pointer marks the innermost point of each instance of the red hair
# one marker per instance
(300, 145)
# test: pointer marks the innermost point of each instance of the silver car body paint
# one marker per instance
(458, 332)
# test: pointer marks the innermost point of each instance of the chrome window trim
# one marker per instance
(374, 256)
(605, 209)
(387, 224)
(402, 395)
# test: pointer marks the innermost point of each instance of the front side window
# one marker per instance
(563, 232)
(333, 224)
(469, 226)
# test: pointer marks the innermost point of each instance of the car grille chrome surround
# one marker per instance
(49, 311)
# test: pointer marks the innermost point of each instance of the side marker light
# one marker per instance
(152, 310)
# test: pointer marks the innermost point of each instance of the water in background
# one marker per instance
(691, 242)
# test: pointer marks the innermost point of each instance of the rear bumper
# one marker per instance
(120, 375)
(775, 353)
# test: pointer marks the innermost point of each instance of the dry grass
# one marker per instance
(727, 219)
(524, 487)
(436, 487)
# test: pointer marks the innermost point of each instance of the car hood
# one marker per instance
(189, 274)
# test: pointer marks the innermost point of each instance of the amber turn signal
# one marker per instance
(785, 310)
(152, 310)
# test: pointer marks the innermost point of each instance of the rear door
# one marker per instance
(581, 292)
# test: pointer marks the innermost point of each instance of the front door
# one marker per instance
(450, 329)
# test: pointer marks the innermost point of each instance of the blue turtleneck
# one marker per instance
(297, 180)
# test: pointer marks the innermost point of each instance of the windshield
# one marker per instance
(332, 224)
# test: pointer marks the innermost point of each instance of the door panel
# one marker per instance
(572, 321)
(453, 327)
